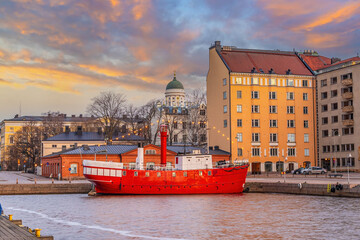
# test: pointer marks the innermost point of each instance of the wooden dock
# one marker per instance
(9, 230)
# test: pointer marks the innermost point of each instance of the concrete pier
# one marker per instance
(65, 188)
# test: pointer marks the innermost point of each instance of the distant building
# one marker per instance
(261, 107)
(68, 140)
(186, 120)
(73, 123)
(69, 162)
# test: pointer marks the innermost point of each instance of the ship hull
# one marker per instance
(204, 181)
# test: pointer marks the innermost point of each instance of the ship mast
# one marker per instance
(163, 132)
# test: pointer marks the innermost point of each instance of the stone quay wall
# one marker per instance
(22, 189)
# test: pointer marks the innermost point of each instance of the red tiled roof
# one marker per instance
(316, 62)
(245, 60)
(343, 61)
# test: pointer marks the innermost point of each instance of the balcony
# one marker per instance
(347, 82)
(291, 144)
(348, 95)
(348, 109)
(348, 122)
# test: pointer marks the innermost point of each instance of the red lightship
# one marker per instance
(192, 174)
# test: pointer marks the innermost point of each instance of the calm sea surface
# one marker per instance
(238, 216)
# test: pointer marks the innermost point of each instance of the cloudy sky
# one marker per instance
(55, 55)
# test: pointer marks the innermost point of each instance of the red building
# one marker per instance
(69, 163)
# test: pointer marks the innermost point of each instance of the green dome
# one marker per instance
(174, 84)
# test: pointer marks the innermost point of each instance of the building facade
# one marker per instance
(339, 115)
(261, 107)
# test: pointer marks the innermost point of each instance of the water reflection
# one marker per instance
(247, 216)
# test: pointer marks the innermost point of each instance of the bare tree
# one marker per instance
(53, 124)
(150, 114)
(132, 114)
(27, 146)
(108, 108)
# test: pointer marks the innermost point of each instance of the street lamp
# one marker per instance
(285, 159)
(348, 167)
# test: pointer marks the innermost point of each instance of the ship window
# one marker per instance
(174, 174)
(94, 171)
(118, 173)
(124, 173)
(106, 172)
(88, 170)
(135, 174)
(209, 173)
(185, 174)
(100, 172)
(147, 174)
(84, 170)
(159, 174)
(200, 173)
(112, 172)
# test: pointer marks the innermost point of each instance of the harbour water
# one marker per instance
(232, 216)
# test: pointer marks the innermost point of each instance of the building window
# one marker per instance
(255, 152)
(239, 108)
(306, 123)
(202, 137)
(255, 137)
(255, 123)
(273, 137)
(73, 168)
(272, 81)
(346, 76)
(255, 95)
(239, 152)
(225, 108)
(224, 81)
(290, 82)
(334, 106)
(306, 137)
(272, 95)
(305, 96)
(255, 108)
(225, 123)
(238, 80)
(184, 138)
(324, 120)
(291, 152)
(305, 110)
(334, 119)
(202, 112)
(273, 109)
(290, 109)
(291, 123)
(335, 132)
(254, 81)
(291, 137)
(325, 133)
(273, 123)
(150, 151)
(307, 152)
(323, 83)
(63, 147)
(324, 108)
(239, 122)
(324, 95)
(273, 152)
(225, 95)
(176, 138)
(202, 124)
(334, 93)
(305, 83)
(348, 131)
(184, 125)
(239, 137)
(238, 94)
(11, 140)
(290, 95)
(333, 80)
(54, 146)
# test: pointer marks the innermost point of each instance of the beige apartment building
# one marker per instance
(261, 107)
(339, 115)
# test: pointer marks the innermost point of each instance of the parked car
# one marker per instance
(297, 171)
(314, 170)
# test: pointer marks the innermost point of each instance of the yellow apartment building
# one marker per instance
(261, 108)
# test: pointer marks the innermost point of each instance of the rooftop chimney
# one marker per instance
(335, 60)
(218, 45)
(288, 72)
(79, 130)
(253, 70)
(80, 115)
(271, 71)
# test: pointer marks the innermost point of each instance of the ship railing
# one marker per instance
(227, 164)
(154, 167)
